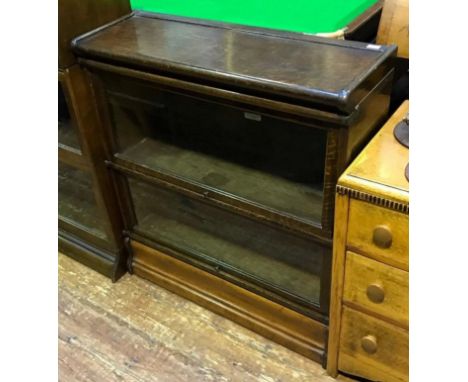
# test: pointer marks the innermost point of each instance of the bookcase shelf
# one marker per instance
(252, 186)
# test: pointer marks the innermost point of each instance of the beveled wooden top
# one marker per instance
(379, 169)
(287, 64)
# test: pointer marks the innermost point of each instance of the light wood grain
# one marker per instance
(362, 272)
(389, 363)
(380, 168)
(394, 26)
(135, 331)
(338, 267)
(364, 218)
(371, 193)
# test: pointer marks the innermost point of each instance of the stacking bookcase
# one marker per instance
(226, 143)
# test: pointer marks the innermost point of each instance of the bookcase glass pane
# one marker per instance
(67, 133)
(270, 162)
(271, 258)
(76, 201)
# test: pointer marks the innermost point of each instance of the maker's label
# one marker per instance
(253, 116)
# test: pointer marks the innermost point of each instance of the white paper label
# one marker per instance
(252, 116)
(373, 46)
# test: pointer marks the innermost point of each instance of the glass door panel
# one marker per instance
(273, 259)
(270, 162)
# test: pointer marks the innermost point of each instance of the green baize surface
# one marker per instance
(305, 16)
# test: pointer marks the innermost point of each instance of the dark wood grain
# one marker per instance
(321, 71)
(79, 16)
(241, 98)
(88, 208)
(81, 145)
(84, 251)
(218, 205)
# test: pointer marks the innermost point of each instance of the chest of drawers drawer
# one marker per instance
(378, 232)
(372, 348)
(376, 287)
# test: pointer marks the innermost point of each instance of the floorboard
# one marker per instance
(135, 331)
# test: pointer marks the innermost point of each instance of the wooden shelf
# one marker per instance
(250, 185)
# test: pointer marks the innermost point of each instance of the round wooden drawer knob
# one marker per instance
(375, 293)
(369, 344)
(382, 236)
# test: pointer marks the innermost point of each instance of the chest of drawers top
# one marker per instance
(377, 175)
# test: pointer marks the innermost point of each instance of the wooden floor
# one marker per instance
(135, 331)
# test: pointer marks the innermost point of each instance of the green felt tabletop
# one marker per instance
(306, 16)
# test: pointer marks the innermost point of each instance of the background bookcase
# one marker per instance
(89, 223)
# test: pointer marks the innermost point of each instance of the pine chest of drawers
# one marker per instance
(369, 296)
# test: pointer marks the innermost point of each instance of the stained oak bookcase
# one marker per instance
(225, 143)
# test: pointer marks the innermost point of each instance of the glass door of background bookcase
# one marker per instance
(77, 204)
(67, 129)
(79, 211)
